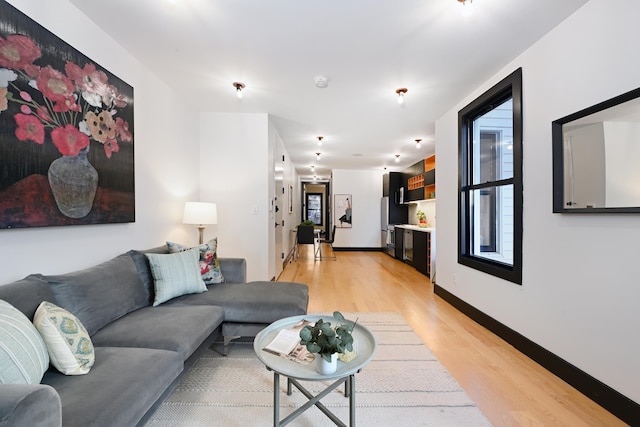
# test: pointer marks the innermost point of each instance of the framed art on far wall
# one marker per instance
(342, 210)
(66, 132)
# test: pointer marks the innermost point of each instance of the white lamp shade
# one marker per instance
(200, 213)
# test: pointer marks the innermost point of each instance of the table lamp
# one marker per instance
(200, 213)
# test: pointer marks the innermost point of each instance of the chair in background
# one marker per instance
(329, 241)
(304, 236)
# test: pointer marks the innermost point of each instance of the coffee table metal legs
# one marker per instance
(349, 383)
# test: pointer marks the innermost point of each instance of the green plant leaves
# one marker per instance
(323, 339)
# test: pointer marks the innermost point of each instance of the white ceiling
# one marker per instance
(367, 48)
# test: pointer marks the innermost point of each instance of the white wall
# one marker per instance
(234, 173)
(622, 157)
(365, 187)
(580, 294)
(165, 167)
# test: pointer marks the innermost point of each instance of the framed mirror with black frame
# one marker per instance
(596, 153)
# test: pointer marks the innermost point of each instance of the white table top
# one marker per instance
(366, 346)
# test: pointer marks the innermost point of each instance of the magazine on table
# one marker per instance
(286, 344)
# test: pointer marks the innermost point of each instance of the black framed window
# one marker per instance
(490, 181)
(314, 208)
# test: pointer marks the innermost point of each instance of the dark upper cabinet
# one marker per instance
(391, 183)
(415, 170)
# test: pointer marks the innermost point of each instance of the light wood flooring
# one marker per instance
(509, 388)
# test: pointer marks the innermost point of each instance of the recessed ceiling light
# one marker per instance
(418, 141)
(397, 158)
(320, 140)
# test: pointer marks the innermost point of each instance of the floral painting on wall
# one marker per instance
(66, 132)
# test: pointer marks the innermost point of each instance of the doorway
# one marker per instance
(316, 204)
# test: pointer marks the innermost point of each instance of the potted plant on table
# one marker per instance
(328, 341)
(422, 218)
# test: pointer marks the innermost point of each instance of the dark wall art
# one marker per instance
(66, 132)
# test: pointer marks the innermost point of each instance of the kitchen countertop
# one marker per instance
(415, 227)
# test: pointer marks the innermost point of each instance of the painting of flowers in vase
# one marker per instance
(66, 132)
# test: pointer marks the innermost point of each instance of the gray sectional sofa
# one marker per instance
(140, 350)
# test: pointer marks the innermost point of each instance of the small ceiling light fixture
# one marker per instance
(401, 93)
(321, 81)
(239, 86)
(320, 140)
(318, 156)
(418, 141)
(397, 158)
(468, 9)
(312, 167)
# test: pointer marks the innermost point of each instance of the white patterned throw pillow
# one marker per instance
(23, 354)
(70, 348)
(209, 264)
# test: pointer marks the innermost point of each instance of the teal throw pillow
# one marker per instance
(209, 264)
(176, 274)
(23, 353)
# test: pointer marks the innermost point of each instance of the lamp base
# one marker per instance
(200, 233)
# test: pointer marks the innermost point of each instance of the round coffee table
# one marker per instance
(366, 348)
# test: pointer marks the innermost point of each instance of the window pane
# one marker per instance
(493, 144)
(492, 224)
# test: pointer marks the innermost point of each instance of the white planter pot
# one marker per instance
(327, 368)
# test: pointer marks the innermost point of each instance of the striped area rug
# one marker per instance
(404, 385)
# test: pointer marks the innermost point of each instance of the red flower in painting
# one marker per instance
(122, 129)
(77, 105)
(18, 51)
(69, 140)
(29, 128)
(88, 78)
(58, 88)
(111, 146)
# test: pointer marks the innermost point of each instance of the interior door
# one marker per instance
(279, 206)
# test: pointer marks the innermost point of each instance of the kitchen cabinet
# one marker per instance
(430, 177)
(421, 242)
(421, 180)
(422, 247)
(396, 213)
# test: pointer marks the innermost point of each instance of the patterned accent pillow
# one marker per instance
(209, 264)
(70, 348)
(23, 354)
(175, 275)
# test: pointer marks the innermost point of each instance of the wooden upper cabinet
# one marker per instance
(430, 177)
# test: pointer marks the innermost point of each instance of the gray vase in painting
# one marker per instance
(73, 182)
